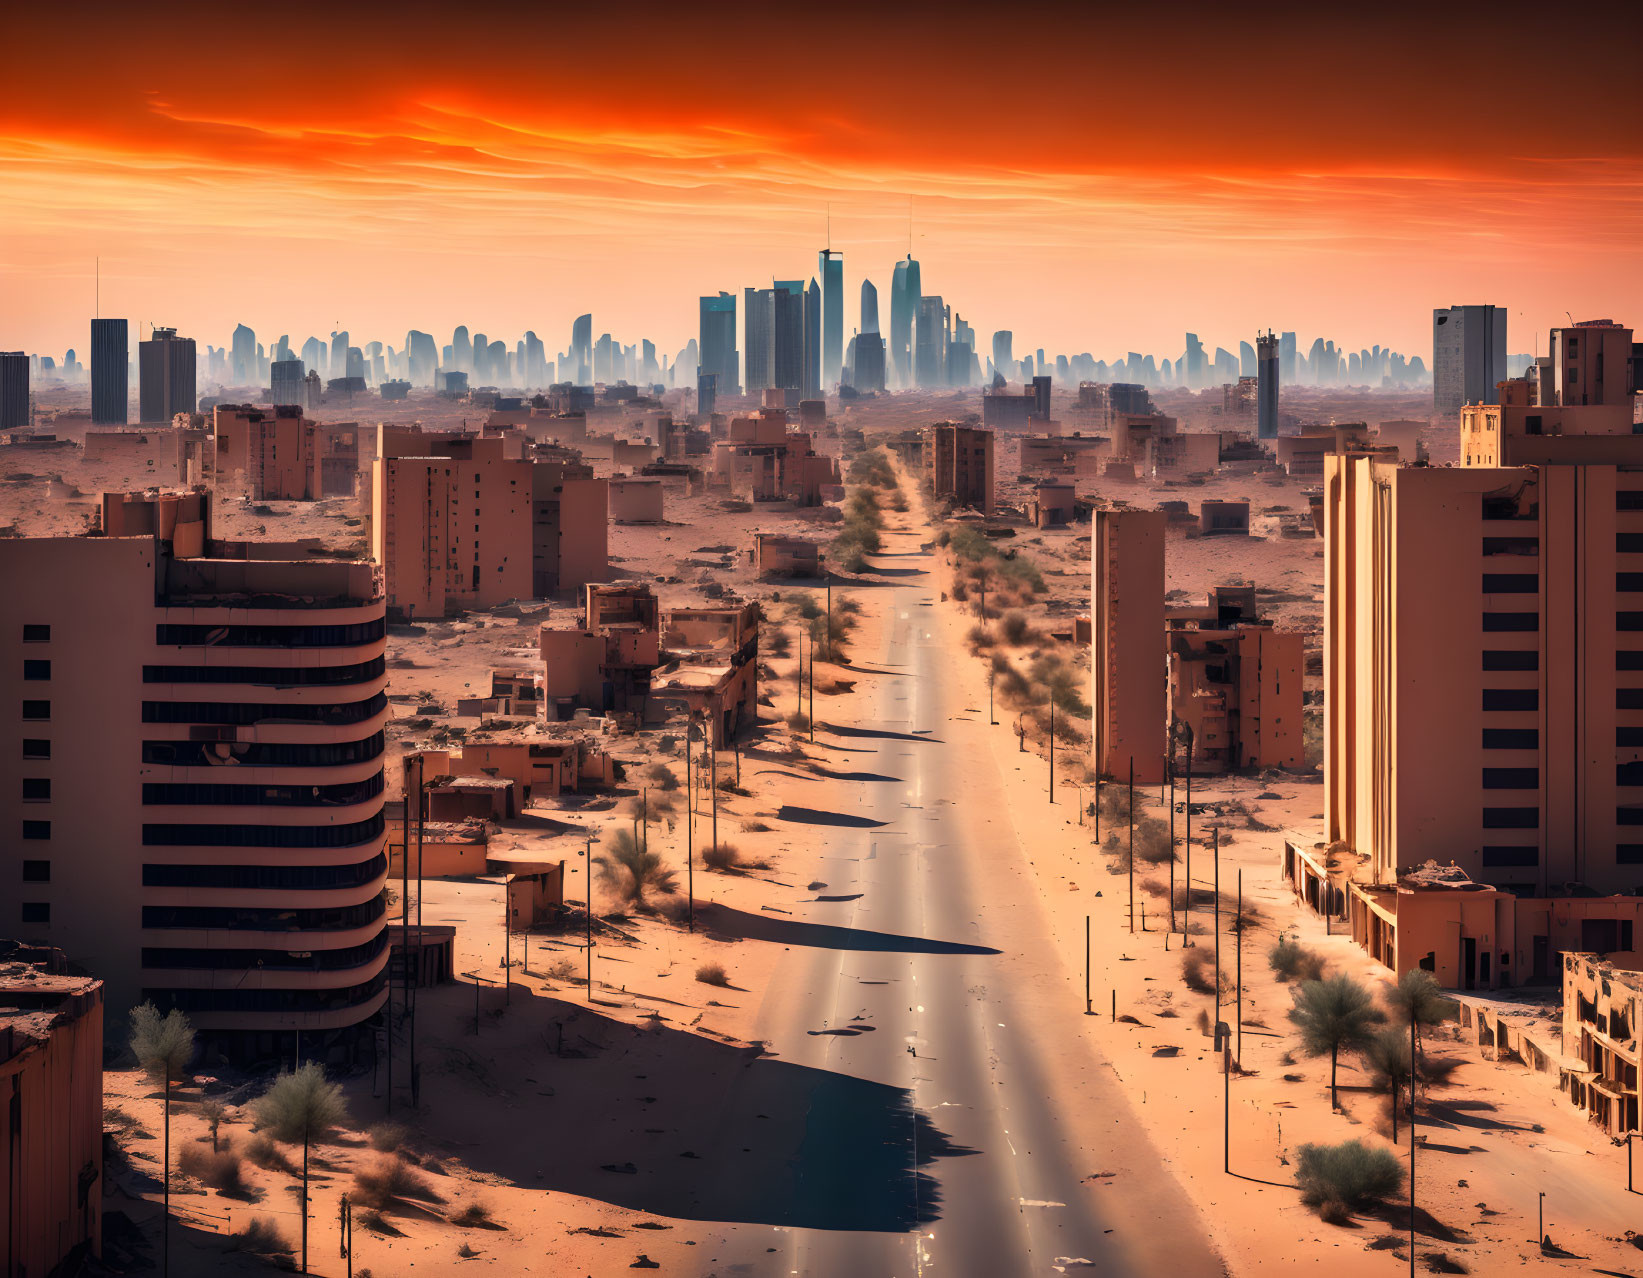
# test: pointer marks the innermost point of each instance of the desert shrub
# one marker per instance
(161, 1044)
(385, 1181)
(213, 1112)
(898, 502)
(222, 1170)
(387, 1137)
(712, 974)
(266, 1154)
(261, 1237)
(474, 1215)
(798, 721)
(1292, 961)
(301, 1105)
(629, 871)
(722, 857)
(466, 1252)
(562, 970)
(1055, 680)
(980, 636)
(1346, 1175)
(1015, 627)
(872, 468)
(775, 642)
(1198, 971)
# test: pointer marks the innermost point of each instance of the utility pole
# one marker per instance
(1132, 843)
(690, 822)
(590, 916)
(1186, 926)
(421, 789)
(1238, 944)
(1052, 749)
(1087, 1005)
(713, 755)
(1216, 834)
(1413, 1143)
(1172, 837)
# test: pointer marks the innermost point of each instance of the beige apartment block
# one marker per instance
(196, 745)
(1484, 683)
(1127, 643)
(959, 461)
(467, 527)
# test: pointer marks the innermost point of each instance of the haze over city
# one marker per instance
(871, 641)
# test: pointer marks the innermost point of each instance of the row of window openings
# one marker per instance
(1625, 738)
(1522, 699)
(1528, 583)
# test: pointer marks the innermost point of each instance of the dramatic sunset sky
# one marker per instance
(1094, 182)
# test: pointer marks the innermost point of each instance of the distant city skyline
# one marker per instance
(415, 184)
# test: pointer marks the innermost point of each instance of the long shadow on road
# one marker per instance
(727, 1133)
(722, 921)
(879, 734)
(816, 816)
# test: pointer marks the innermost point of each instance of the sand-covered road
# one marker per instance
(954, 1120)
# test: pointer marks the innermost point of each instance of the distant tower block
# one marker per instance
(1127, 634)
(1266, 395)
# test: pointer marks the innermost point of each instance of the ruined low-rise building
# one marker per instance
(1235, 681)
(780, 555)
(959, 465)
(51, 1121)
(1602, 1018)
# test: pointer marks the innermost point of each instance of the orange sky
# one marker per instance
(1094, 183)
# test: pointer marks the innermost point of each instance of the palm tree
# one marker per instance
(303, 1106)
(163, 1046)
(1389, 1060)
(1333, 1014)
(1418, 994)
(630, 870)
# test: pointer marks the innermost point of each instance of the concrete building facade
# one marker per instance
(1127, 643)
(465, 526)
(51, 1121)
(199, 741)
(959, 462)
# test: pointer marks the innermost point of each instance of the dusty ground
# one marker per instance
(538, 1116)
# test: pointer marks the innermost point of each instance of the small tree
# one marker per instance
(630, 870)
(1387, 1055)
(304, 1106)
(1417, 992)
(163, 1046)
(212, 1111)
(1333, 1014)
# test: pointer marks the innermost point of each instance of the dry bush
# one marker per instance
(1198, 971)
(1337, 1178)
(387, 1137)
(712, 974)
(722, 857)
(755, 827)
(562, 970)
(222, 1170)
(266, 1154)
(798, 721)
(1292, 961)
(979, 636)
(261, 1237)
(1015, 627)
(474, 1215)
(386, 1180)
(661, 777)
(301, 1105)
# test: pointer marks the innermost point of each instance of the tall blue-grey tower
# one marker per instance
(110, 372)
(717, 346)
(905, 293)
(830, 262)
(1266, 388)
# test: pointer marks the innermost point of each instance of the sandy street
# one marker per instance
(947, 1131)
